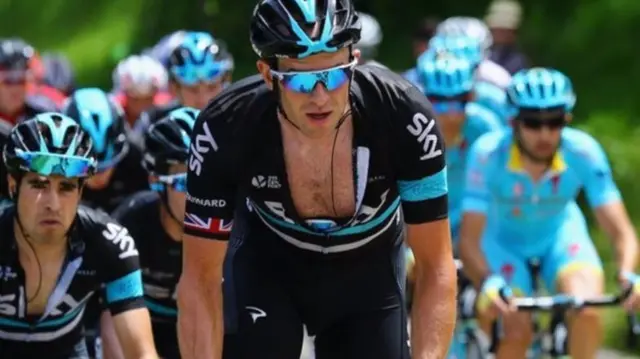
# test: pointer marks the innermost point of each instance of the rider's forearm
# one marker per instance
(626, 247)
(200, 320)
(434, 311)
(475, 266)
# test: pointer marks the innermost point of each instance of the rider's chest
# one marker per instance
(40, 280)
(321, 181)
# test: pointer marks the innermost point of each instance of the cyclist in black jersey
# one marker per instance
(154, 218)
(319, 164)
(55, 255)
(199, 69)
(15, 103)
(120, 173)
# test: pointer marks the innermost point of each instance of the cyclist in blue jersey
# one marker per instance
(448, 83)
(486, 90)
(200, 67)
(56, 255)
(519, 205)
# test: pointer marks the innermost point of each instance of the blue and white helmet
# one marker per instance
(199, 58)
(300, 28)
(445, 75)
(541, 89)
(462, 46)
(467, 26)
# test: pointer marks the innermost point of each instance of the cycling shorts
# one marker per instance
(351, 303)
(568, 248)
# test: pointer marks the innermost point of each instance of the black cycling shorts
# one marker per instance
(351, 303)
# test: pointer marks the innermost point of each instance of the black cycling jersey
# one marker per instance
(154, 114)
(128, 178)
(343, 279)
(101, 255)
(398, 160)
(161, 262)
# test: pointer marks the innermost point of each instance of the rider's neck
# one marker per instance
(45, 249)
(452, 134)
(316, 140)
(170, 225)
(535, 169)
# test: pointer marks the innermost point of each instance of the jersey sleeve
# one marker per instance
(420, 159)
(599, 185)
(210, 190)
(120, 269)
(477, 194)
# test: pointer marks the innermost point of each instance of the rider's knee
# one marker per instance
(518, 329)
(587, 317)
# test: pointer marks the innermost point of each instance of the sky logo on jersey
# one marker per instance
(421, 129)
(210, 225)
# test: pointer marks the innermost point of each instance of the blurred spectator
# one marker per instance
(420, 41)
(503, 18)
(370, 39)
(58, 72)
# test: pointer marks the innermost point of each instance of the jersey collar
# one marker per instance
(514, 163)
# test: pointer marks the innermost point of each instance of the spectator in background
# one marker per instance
(425, 30)
(503, 18)
(58, 72)
(370, 39)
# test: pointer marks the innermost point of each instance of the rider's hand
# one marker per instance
(494, 296)
(632, 281)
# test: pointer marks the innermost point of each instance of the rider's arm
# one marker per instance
(422, 183)
(611, 214)
(475, 205)
(206, 229)
(111, 348)
(124, 295)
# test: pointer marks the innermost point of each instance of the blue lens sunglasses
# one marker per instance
(305, 81)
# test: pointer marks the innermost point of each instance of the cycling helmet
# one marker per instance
(460, 46)
(299, 28)
(200, 58)
(49, 144)
(103, 120)
(445, 75)
(15, 55)
(139, 75)
(164, 48)
(58, 72)
(370, 36)
(467, 26)
(541, 89)
(167, 141)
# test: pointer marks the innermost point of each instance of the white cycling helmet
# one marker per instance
(370, 36)
(466, 26)
(139, 74)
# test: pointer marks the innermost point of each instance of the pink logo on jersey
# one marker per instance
(517, 189)
(507, 271)
(574, 248)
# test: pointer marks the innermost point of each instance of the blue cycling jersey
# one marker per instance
(479, 121)
(522, 211)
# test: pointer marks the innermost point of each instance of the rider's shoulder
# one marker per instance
(492, 142)
(492, 72)
(91, 220)
(387, 95)
(39, 104)
(244, 99)
(579, 142)
(136, 203)
(480, 116)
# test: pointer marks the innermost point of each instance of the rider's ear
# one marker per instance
(568, 117)
(356, 53)
(265, 71)
(12, 184)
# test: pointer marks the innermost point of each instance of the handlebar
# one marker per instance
(564, 302)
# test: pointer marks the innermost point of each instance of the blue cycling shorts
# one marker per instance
(568, 248)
